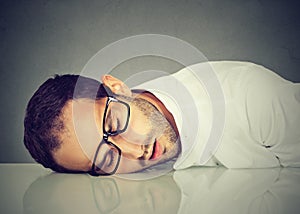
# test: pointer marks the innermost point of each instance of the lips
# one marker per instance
(157, 151)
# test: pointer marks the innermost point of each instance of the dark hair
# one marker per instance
(42, 122)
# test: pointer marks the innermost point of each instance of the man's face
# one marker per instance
(150, 137)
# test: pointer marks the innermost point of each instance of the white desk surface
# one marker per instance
(29, 188)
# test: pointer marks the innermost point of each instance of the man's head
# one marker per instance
(63, 129)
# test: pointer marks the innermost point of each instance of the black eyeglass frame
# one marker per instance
(106, 135)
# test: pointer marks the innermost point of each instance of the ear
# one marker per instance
(116, 85)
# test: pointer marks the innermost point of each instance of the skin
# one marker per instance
(149, 121)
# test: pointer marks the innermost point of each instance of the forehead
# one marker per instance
(82, 121)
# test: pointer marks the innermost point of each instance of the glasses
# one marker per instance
(115, 121)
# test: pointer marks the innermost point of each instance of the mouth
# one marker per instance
(157, 151)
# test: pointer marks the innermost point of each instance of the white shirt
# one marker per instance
(261, 112)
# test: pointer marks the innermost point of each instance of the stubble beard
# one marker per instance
(160, 126)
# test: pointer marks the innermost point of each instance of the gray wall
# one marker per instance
(41, 38)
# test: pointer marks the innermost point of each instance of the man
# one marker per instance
(136, 129)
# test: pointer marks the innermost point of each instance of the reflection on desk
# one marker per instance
(67, 193)
(219, 190)
(195, 190)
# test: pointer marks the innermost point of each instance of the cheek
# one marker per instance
(140, 124)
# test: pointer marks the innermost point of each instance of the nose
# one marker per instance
(129, 148)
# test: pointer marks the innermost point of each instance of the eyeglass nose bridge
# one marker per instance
(105, 136)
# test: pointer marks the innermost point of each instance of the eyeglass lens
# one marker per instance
(116, 117)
